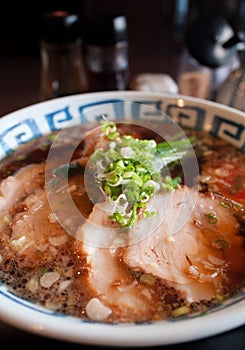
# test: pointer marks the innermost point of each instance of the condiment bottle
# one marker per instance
(62, 67)
(212, 43)
(106, 53)
(194, 78)
(232, 90)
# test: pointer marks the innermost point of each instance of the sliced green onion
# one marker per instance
(181, 311)
(222, 243)
(131, 169)
(226, 204)
(212, 218)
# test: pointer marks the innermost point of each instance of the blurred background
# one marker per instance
(156, 30)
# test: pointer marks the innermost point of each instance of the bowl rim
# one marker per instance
(129, 93)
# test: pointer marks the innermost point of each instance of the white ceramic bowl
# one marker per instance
(33, 121)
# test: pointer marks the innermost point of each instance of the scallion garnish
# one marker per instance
(212, 218)
(130, 172)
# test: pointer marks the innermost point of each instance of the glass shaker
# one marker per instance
(232, 91)
(106, 53)
(194, 78)
(62, 67)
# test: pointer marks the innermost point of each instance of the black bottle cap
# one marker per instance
(60, 27)
(105, 30)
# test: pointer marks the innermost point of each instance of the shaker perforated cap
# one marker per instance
(105, 30)
(60, 27)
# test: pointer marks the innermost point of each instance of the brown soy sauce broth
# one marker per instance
(22, 274)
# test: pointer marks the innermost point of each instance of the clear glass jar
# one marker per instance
(106, 53)
(194, 78)
(62, 66)
(107, 67)
(232, 91)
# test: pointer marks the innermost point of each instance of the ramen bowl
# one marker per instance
(30, 123)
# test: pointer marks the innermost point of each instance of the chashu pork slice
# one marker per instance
(16, 187)
(187, 246)
(28, 226)
(113, 293)
(193, 246)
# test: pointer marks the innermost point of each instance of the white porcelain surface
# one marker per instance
(30, 122)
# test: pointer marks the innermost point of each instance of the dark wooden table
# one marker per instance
(19, 83)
